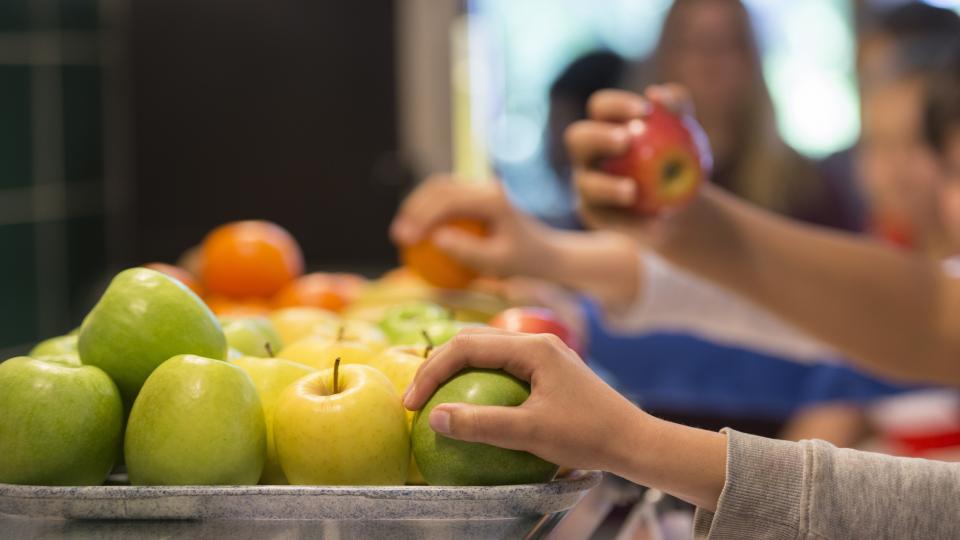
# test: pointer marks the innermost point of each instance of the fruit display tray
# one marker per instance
(240, 512)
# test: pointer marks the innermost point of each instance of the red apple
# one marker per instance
(669, 157)
(536, 320)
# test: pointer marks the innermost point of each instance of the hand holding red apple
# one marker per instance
(637, 157)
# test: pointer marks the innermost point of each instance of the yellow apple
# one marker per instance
(296, 323)
(355, 330)
(271, 376)
(400, 364)
(320, 351)
(342, 426)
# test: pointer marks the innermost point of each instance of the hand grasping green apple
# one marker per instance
(572, 418)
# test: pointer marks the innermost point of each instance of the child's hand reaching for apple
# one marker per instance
(567, 419)
(572, 418)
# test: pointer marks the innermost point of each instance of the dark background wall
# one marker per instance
(282, 110)
(128, 129)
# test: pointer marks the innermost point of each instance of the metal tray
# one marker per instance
(289, 511)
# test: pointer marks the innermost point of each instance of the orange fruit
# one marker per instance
(231, 307)
(249, 259)
(436, 267)
(178, 274)
(327, 291)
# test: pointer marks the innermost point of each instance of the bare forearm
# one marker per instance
(686, 462)
(602, 265)
(889, 311)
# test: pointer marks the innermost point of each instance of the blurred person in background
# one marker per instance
(709, 47)
(899, 51)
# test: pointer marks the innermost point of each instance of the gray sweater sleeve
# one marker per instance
(778, 489)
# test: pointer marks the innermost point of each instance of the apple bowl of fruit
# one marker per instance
(292, 413)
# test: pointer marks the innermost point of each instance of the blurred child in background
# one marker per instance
(709, 47)
(899, 51)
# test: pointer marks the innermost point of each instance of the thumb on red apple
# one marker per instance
(504, 427)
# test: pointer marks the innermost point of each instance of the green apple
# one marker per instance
(271, 376)
(143, 319)
(410, 317)
(252, 336)
(55, 346)
(60, 423)
(342, 426)
(69, 359)
(444, 461)
(197, 421)
(439, 332)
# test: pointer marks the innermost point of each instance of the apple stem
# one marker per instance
(269, 349)
(426, 336)
(336, 376)
(340, 333)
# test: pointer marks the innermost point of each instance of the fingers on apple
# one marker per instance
(599, 189)
(478, 348)
(476, 252)
(589, 141)
(441, 199)
(505, 427)
(613, 105)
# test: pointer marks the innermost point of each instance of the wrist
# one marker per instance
(697, 233)
(551, 256)
(628, 459)
(686, 462)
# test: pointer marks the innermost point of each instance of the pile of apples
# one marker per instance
(278, 394)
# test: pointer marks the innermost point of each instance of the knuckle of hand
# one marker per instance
(461, 340)
(551, 342)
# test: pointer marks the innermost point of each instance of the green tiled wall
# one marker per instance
(14, 15)
(18, 310)
(38, 300)
(86, 253)
(15, 132)
(82, 124)
(78, 14)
